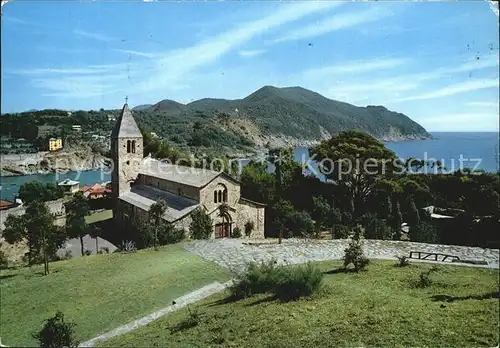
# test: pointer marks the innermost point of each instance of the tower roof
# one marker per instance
(125, 126)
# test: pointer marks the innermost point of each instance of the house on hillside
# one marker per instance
(55, 144)
(69, 185)
(139, 182)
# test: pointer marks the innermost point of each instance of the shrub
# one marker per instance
(285, 282)
(236, 232)
(127, 246)
(424, 278)
(354, 252)
(169, 234)
(201, 225)
(88, 252)
(249, 226)
(298, 281)
(68, 255)
(192, 319)
(56, 333)
(341, 231)
(105, 249)
(258, 279)
(402, 261)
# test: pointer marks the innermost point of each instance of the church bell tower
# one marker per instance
(127, 153)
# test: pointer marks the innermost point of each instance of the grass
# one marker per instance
(99, 292)
(100, 216)
(379, 307)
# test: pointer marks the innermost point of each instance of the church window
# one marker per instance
(215, 196)
(224, 195)
(128, 146)
(133, 146)
(219, 196)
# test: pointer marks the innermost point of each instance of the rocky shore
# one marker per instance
(57, 162)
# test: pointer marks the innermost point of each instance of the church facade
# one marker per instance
(139, 182)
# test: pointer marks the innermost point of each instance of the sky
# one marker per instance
(436, 62)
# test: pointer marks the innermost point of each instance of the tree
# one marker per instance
(355, 161)
(156, 212)
(301, 224)
(375, 228)
(57, 333)
(35, 190)
(201, 225)
(321, 212)
(424, 232)
(76, 211)
(354, 254)
(37, 227)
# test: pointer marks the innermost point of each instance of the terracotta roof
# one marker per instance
(125, 126)
(96, 187)
(84, 188)
(6, 203)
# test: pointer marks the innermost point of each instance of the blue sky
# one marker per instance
(436, 62)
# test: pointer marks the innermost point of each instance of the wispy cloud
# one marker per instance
(457, 88)
(175, 64)
(138, 53)
(15, 20)
(484, 104)
(94, 36)
(337, 22)
(250, 53)
(355, 67)
(52, 71)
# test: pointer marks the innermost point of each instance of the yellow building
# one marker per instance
(55, 144)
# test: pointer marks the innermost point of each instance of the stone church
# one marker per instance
(139, 182)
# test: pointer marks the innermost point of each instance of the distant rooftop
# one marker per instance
(143, 196)
(68, 182)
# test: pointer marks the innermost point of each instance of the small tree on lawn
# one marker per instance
(76, 211)
(201, 225)
(156, 211)
(57, 333)
(354, 252)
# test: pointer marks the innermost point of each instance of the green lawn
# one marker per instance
(378, 307)
(100, 216)
(99, 292)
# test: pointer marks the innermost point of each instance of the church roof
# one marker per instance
(125, 126)
(189, 176)
(143, 196)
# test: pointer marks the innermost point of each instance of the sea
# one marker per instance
(455, 150)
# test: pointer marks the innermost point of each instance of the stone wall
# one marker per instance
(207, 193)
(246, 211)
(56, 207)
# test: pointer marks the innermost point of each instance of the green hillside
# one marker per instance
(269, 116)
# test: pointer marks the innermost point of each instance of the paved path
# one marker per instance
(235, 254)
(181, 302)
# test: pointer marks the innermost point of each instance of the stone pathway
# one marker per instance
(181, 302)
(235, 254)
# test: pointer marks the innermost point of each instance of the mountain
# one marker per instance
(141, 107)
(280, 116)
